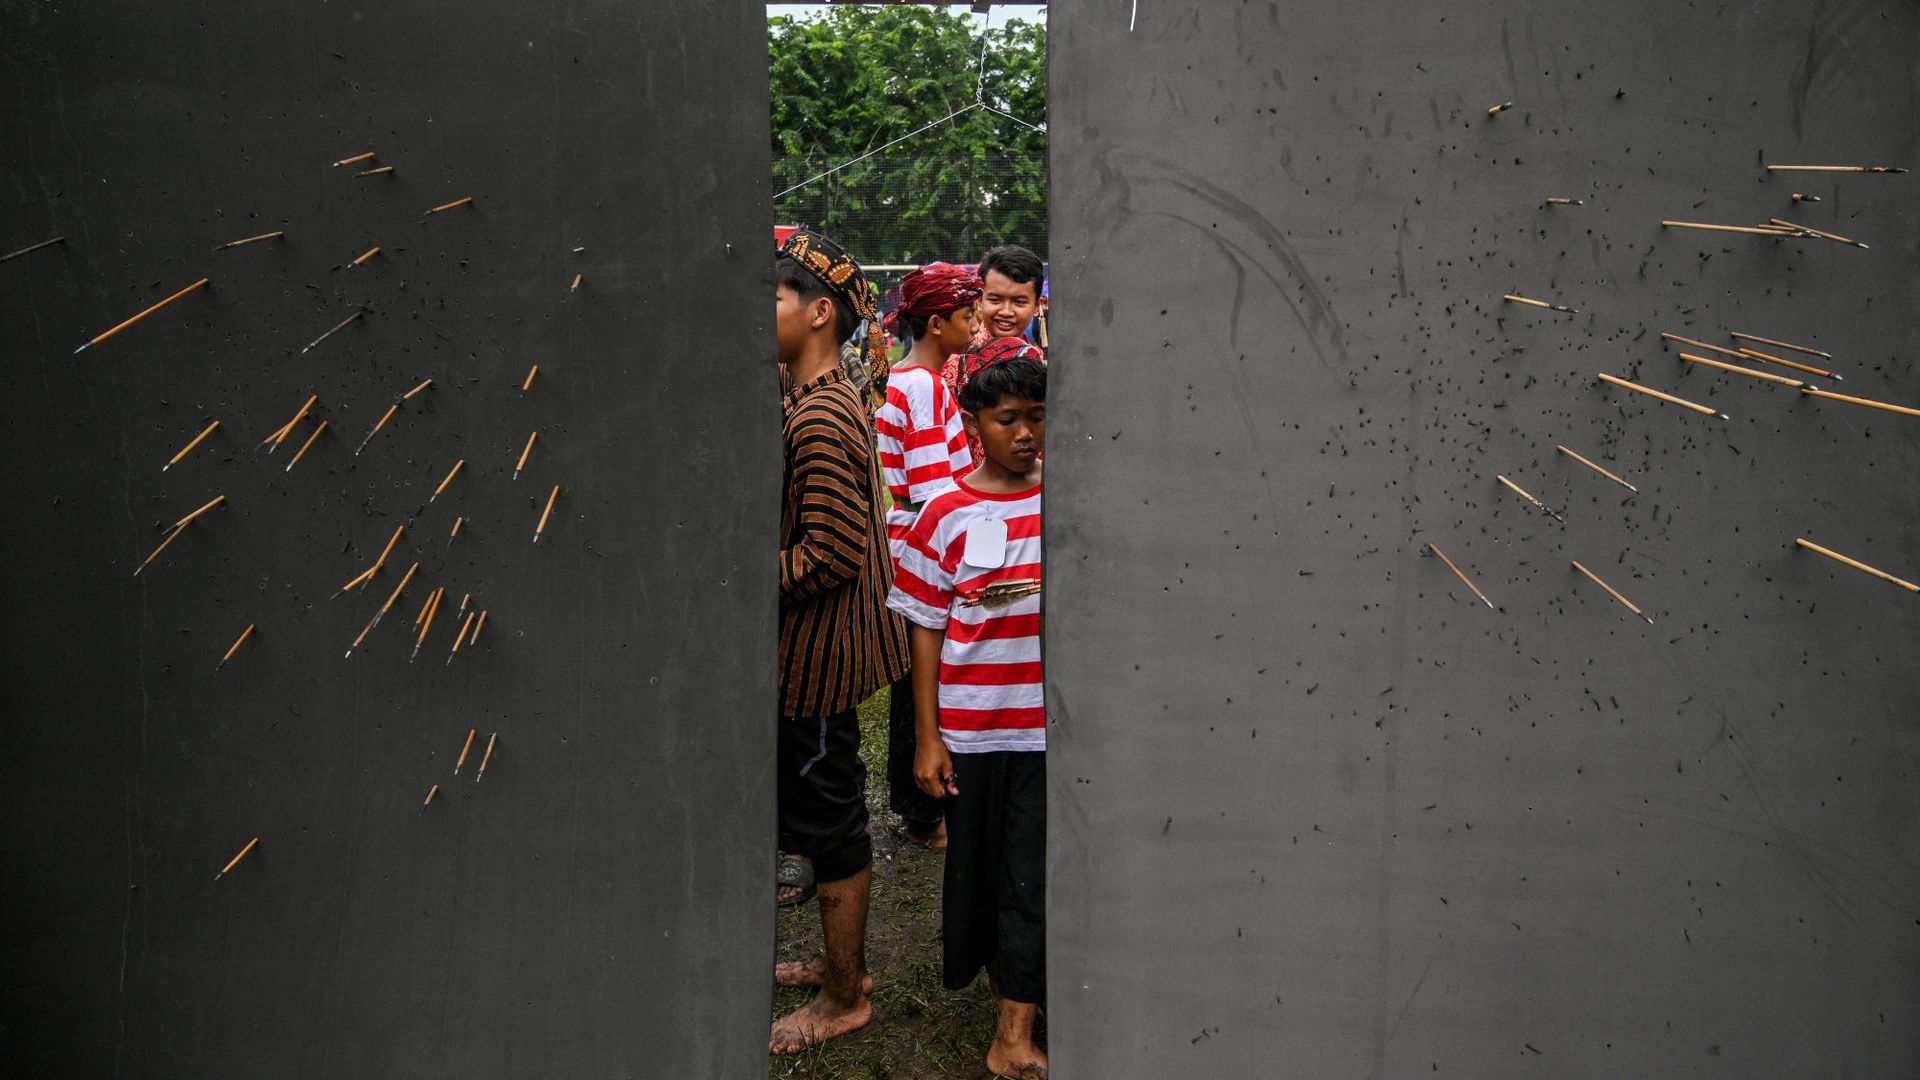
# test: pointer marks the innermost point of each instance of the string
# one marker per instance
(980, 77)
(870, 153)
(1010, 116)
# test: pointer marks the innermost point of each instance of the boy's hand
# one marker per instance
(933, 769)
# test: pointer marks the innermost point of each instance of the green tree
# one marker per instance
(856, 78)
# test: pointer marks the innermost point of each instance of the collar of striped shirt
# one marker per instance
(794, 396)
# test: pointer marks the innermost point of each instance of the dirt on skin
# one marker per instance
(920, 1030)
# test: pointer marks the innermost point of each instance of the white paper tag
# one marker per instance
(986, 544)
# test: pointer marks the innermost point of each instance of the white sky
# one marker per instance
(1001, 12)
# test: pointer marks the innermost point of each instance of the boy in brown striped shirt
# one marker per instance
(838, 641)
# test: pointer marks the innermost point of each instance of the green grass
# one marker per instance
(920, 1030)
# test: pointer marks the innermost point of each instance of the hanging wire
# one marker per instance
(1010, 116)
(980, 78)
(979, 102)
(875, 150)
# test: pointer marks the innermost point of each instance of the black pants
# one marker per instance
(920, 810)
(994, 907)
(821, 789)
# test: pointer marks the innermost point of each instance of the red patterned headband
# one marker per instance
(995, 351)
(934, 289)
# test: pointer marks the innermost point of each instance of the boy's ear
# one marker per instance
(1042, 306)
(820, 313)
(971, 422)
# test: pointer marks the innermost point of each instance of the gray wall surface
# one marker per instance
(1316, 811)
(597, 905)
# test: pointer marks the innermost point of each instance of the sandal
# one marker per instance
(793, 873)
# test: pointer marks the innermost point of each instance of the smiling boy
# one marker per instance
(1010, 299)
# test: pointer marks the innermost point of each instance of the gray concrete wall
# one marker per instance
(1316, 811)
(597, 905)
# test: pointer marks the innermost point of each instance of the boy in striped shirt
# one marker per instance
(968, 580)
(838, 643)
(922, 447)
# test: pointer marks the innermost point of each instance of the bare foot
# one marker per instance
(805, 973)
(816, 1022)
(1013, 1053)
(1027, 1062)
(936, 840)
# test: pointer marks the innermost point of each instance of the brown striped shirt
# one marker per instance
(838, 641)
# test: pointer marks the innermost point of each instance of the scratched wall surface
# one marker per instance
(1316, 810)
(597, 904)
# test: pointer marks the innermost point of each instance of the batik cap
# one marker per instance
(843, 277)
(835, 268)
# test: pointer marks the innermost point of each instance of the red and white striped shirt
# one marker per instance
(991, 696)
(921, 443)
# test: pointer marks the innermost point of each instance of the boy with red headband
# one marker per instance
(921, 446)
(964, 367)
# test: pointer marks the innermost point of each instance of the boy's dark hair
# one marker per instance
(1016, 378)
(1019, 264)
(787, 271)
(915, 326)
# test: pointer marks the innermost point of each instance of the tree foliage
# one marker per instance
(856, 78)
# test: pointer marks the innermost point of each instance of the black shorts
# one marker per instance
(994, 907)
(821, 790)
